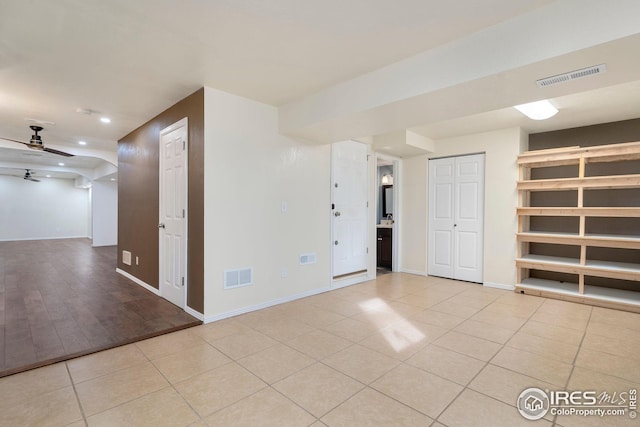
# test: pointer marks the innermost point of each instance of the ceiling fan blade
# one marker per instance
(15, 140)
(60, 153)
(32, 179)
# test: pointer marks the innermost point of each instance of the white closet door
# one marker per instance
(456, 217)
(441, 216)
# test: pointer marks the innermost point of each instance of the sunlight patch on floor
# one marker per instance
(400, 334)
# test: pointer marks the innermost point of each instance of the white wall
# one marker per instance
(413, 215)
(104, 207)
(501, 173)
(251, 170)
(50, 209)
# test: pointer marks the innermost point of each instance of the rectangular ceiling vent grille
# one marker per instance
(572, 75)
(238, 278)
(308, 259)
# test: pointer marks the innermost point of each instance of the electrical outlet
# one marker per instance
(283, 207)
(137, 261)
(283, 272)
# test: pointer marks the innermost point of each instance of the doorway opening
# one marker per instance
(387, 213)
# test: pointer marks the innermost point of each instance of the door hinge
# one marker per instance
(367, 250)
(184, 145)
(182, 213)
(367, 204)
(183, 281)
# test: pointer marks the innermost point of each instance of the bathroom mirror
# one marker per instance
(387, 200)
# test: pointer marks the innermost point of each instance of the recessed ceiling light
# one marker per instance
(539, 110)
(113, 179)
(82, 142)
(48, 176)
(105, 119)
(60, 164)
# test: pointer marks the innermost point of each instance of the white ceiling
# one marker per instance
(130, 60)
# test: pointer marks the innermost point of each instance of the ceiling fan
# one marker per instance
(36, 143)
(28, 176)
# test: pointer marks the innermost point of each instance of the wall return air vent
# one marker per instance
(572, 75)
(238, 278)
(309, 258)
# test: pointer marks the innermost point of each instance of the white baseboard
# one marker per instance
(137, 281)
(419, 273)
(155, 291)
(351, 280)
(499, 286)
(243, 310)
(194, 313)
(44, 238)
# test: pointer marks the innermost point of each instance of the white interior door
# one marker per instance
(172, 226)
(441, 217)
(456, 217)
(349, 207)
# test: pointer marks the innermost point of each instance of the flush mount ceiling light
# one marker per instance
(60, 164)
(82, 142)
(105, 120)
(539, 110)
(85, 111)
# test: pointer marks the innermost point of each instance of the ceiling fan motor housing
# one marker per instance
(35, 138)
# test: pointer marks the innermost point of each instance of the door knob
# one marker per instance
(335, 243)
(161, 225)
(336, 213)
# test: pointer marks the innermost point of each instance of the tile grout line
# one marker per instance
(75, 392)
(487, 363)
(575, 358)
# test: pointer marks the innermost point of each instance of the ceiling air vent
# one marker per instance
(572, 75)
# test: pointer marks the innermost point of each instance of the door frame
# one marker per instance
(397, 203)
(182, 122)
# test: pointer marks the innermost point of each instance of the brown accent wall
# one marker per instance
(607, 133)
(138, 174)
(602, 134)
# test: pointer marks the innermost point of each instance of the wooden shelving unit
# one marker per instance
(583, 266)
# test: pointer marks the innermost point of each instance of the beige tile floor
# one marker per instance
(401, 350)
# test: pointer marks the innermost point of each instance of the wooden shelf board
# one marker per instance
(597, 240)
(549, 263)
(611, 212)
(594, 295)
(592, 182)
(614, 270)
(572, 155)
